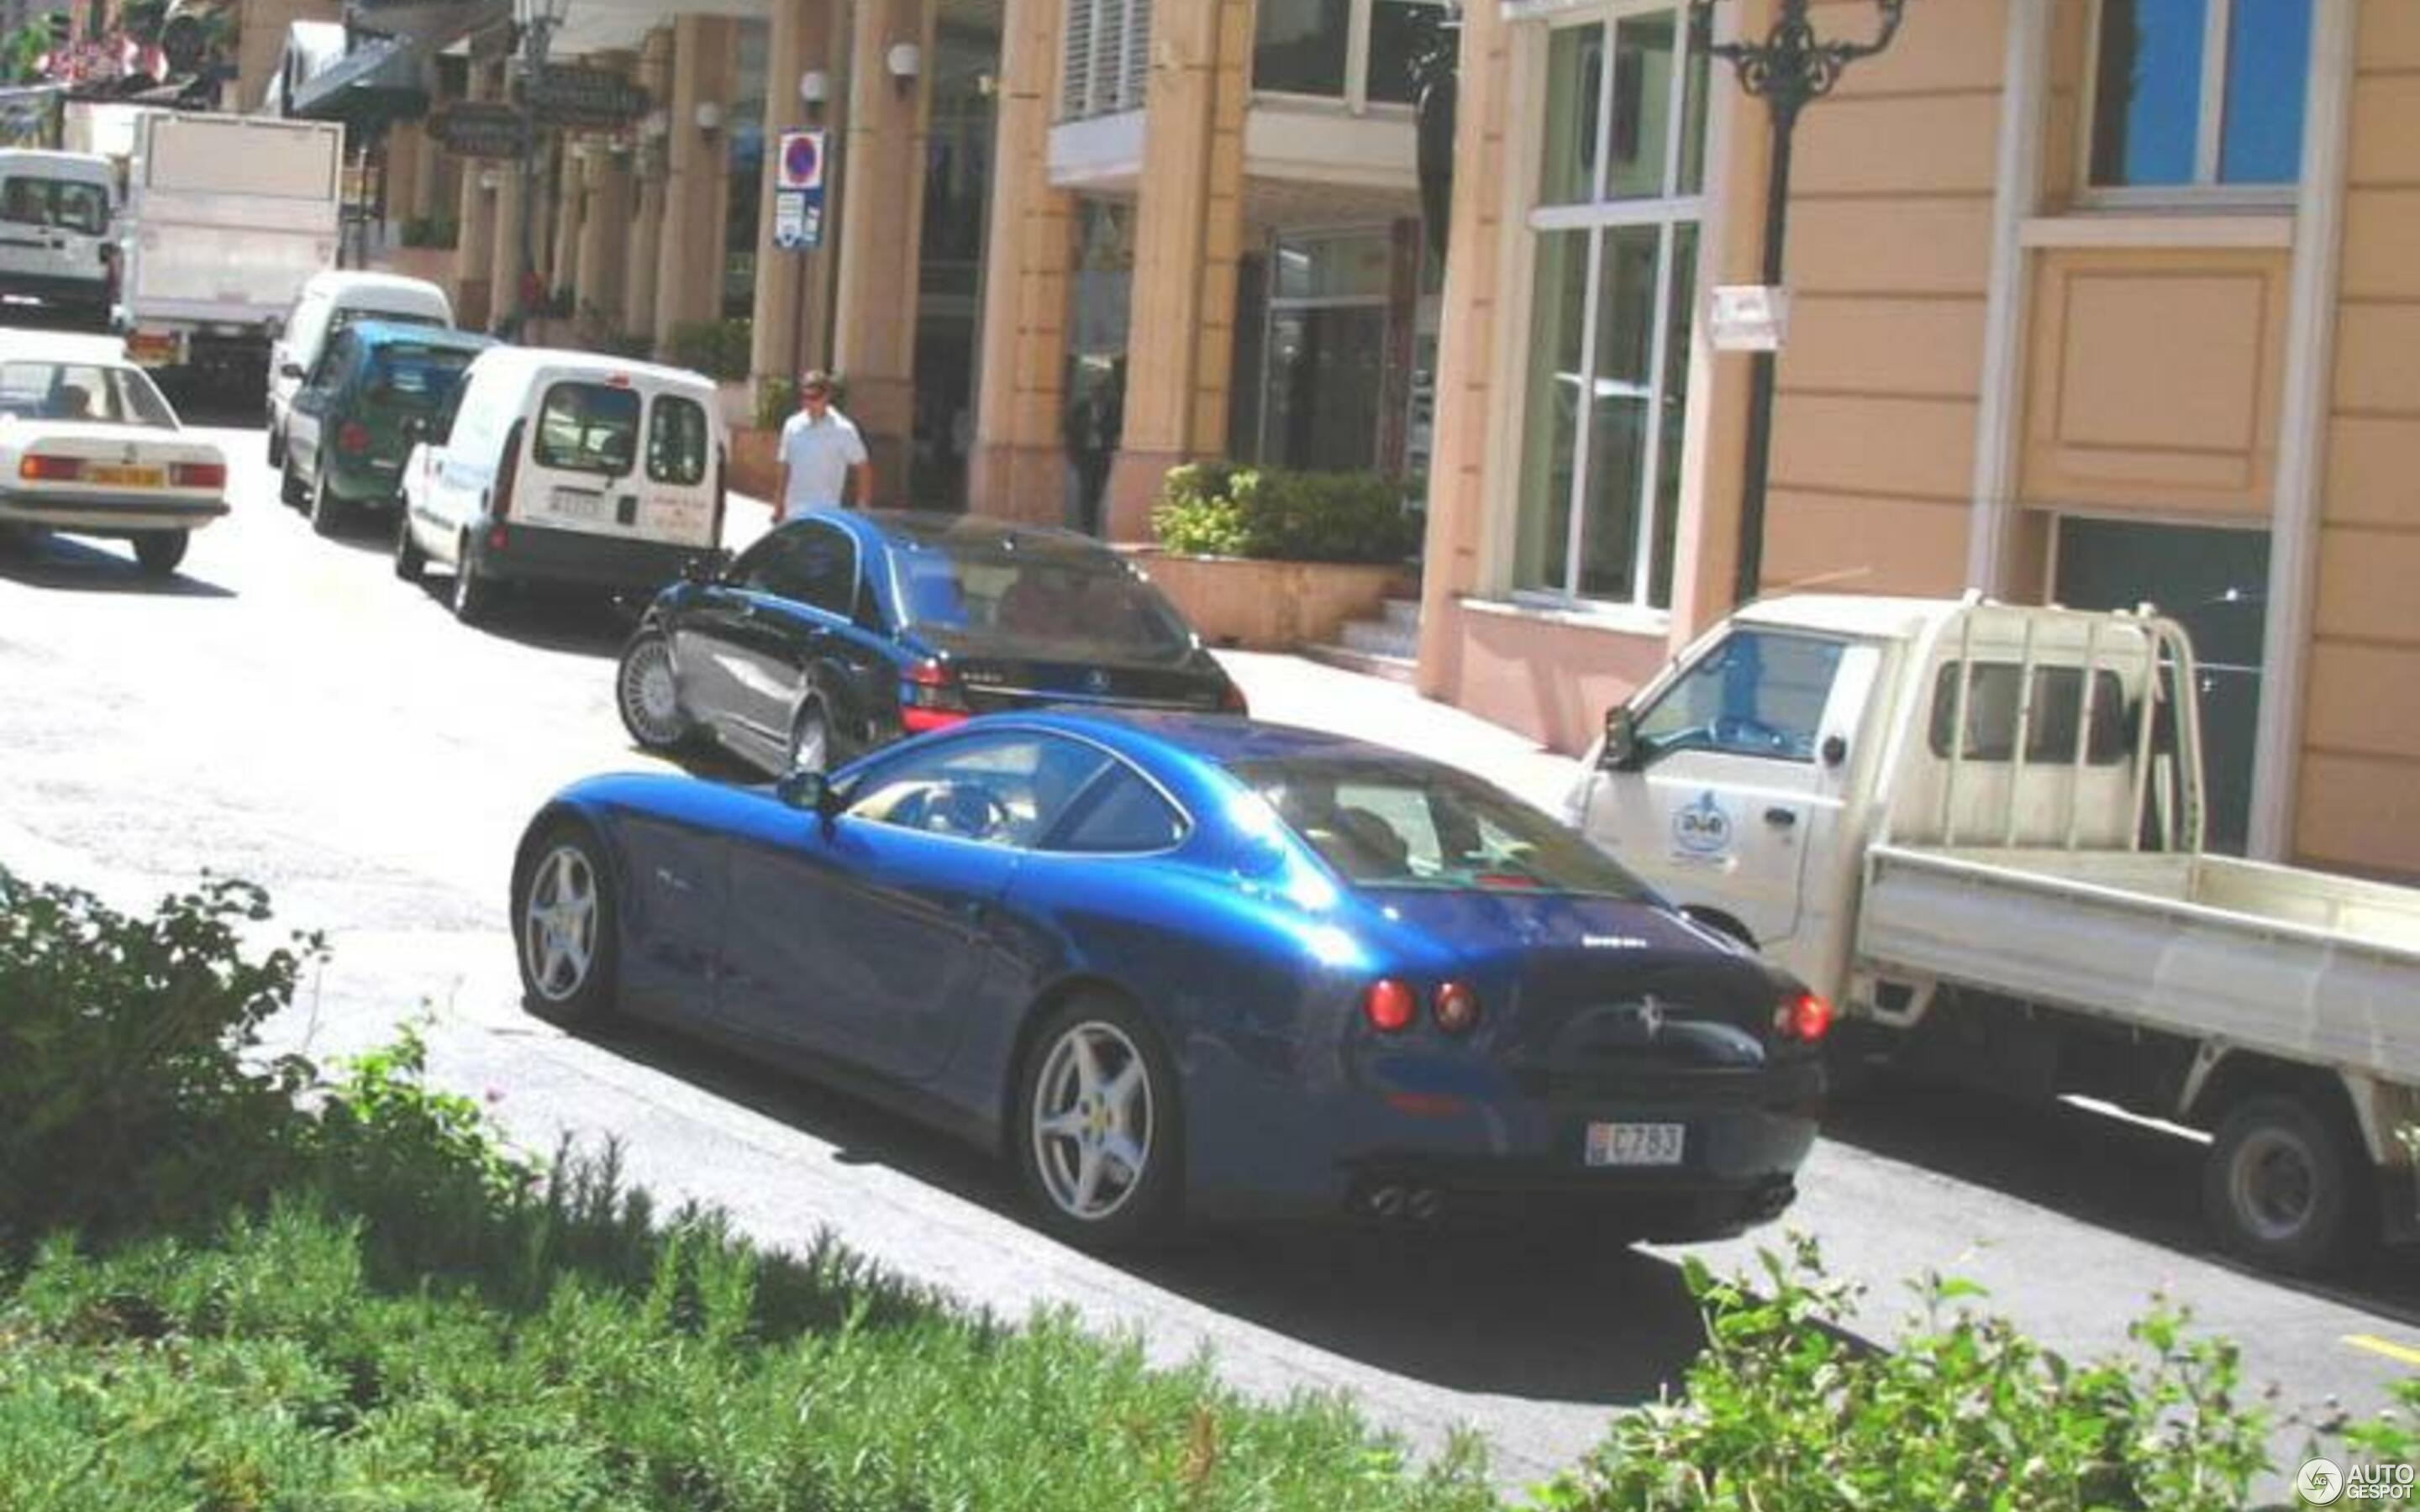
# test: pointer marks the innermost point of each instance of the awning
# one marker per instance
(375, 78)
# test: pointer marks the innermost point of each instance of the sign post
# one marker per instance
(799, 220)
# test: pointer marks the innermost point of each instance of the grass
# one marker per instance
(573, 1352)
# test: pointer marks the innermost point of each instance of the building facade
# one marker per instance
(2094, 301)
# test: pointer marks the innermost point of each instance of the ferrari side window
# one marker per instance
(1005, 789)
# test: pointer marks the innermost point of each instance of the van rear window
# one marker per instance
(588, 427)
(679, 443)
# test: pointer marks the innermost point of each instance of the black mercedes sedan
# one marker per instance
(841, 631)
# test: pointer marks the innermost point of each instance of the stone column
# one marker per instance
(401, 154)
(1188, 234)
(604, 176)
(475, 247)
(780, 342)
(1018, 469)
(881, 234)
(505, 265)
(689, 260)
(426, 200)
(647, 218)
(570, 198)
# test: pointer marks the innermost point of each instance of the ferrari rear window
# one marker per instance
(1405, 823)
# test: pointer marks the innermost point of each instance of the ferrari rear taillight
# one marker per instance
(198, 474)
(37, 467)
(1391, 1004)
(930, 697)
(1456, 1008)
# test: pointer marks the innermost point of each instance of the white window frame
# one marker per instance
(1356, 100)
(1597, 216)
(2205, 191)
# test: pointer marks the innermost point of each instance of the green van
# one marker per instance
(377, 386)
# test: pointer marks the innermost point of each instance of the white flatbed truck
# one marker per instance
(1977, 827)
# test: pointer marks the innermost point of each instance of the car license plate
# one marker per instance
(572, 503)
(1635, 1144)
(115, 477)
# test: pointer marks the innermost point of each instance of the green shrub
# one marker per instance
(1217, 509)
(777, 400)
(127, 1094)
(1782, 1409)
(717, 348)
(429, 231)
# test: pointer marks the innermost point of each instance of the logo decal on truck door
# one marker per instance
(1703, 829)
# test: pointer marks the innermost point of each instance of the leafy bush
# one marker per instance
(429, 231)
(717, 348)
(1219, 509)
(126, 1095)
(777, 400)
(1783, 1411)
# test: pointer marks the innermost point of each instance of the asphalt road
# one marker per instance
(285, 711)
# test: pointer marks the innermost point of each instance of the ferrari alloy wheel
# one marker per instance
(648, 694)
(1100, 1131)
(564, 913)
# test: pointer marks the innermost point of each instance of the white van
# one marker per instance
(59, 214)
(564, 467)
(328, 302)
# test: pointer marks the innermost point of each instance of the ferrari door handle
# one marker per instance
(1781, 818)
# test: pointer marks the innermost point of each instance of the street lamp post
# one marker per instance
(1790, 70)
(540, 18)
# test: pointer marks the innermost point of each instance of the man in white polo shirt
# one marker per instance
(821, 454)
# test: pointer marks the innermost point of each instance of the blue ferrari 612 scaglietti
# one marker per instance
(1194, 964)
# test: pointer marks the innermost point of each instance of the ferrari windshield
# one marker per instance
(1049, 600)
(89, 393)
(1404, 823)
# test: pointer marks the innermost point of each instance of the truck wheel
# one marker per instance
(276, 447)
(473, 594)
(158, 552)
(408, 560)
(289, 488)
(327, 510)
(2277, 1185)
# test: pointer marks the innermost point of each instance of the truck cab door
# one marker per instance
(1737, 775)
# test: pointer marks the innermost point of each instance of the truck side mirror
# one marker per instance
(1621, 751)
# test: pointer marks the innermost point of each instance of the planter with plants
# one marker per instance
(1269, 558)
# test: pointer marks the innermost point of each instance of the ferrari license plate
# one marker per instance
(1635, 1144)
(125, 477)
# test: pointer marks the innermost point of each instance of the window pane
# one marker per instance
(1992, 712)
(1325, 379)
(1550, 450)
(587, 427)
(1757, 694)
(1574, 81)
(998, 790)
(1399, 32)
(1684, 308)
(1695, 73)
(1642, 107)
(1121, 814)
(1300, 46)
(1318, 268)
(678, 441)
(2146, 102)
(2267, 65)
(1617, 424)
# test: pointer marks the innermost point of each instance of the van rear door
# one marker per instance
(605, 456)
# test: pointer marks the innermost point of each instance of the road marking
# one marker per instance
(2403, 1354)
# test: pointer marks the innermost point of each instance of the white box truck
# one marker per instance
(227, 216)
(1978, 828)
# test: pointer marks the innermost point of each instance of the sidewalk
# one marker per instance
(1292, 691)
